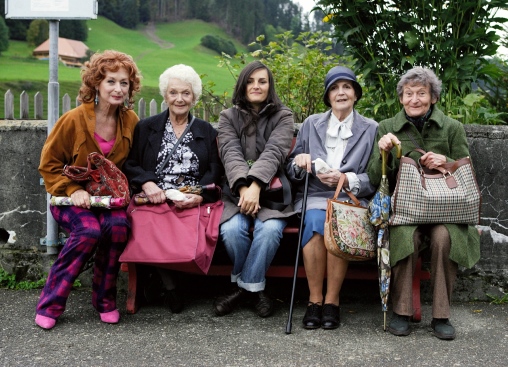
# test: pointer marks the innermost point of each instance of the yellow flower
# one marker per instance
(327, 18)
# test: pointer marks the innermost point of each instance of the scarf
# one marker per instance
(420, 121)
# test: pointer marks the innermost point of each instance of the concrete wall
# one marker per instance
(23, 207)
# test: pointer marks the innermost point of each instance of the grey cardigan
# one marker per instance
(311, 140)
(268, 147)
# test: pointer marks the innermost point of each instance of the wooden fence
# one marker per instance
(24, 103)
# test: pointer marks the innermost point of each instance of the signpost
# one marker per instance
(53, 11)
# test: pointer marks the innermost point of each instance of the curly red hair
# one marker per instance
(94, 71)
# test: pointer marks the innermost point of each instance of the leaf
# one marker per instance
(411, 39)
(472, 98)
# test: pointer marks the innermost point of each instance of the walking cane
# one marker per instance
(300, 234)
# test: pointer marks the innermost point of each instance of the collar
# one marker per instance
(337, 128)
(400, 120)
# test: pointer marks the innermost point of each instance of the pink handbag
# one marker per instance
(180, 239)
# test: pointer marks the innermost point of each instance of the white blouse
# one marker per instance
(337, 136)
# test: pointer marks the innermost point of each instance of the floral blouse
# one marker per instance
(183, 167)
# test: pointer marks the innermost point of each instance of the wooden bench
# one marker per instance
(286, 270)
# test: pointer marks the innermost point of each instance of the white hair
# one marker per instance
(184, 73)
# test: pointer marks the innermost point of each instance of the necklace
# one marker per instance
(178, 132)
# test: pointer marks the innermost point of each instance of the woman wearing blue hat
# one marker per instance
(343, 139)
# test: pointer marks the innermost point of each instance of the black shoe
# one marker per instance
(443, 329)
(225, 304)
(312, 318)
(399, 325)
(153, 291)
(331, 316)
(264, 306)
(173, 300)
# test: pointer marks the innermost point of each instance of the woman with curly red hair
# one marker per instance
(104, 122)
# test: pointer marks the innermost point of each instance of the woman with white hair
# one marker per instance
(195, 161)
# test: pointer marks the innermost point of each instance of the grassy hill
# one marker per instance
(174, 43)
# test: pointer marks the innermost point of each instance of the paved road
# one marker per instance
(155, 337)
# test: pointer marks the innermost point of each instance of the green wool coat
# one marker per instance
(442, 135)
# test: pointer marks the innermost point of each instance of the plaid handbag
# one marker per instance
(348, 231)
(448, 194)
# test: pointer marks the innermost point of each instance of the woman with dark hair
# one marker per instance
(104, 123)
(254, 139)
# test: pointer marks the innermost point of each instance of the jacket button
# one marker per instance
(344, 161)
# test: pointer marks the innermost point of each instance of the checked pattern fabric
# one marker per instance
(423, 196)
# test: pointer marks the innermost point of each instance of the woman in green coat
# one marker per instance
(444, 139)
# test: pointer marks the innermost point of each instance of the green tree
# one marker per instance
(17, 27)
(37, 32)
(144, 11)
(111, 10)
(129, 19)
(73, 29)
(4, 36)
(387, 37)
(199, 9)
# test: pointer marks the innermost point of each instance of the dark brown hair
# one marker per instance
(240, 94)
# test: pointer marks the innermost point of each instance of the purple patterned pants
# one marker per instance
(106, 230)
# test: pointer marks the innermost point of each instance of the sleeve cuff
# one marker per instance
(239, 183)
(354, 183)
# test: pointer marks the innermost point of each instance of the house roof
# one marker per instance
(66, 47)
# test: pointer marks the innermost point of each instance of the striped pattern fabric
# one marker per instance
(425, 197)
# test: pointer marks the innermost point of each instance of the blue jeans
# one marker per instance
(251, 256)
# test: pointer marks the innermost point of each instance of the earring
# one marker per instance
(96, 97)
(126, 103)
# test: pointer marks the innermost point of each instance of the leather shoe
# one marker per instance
(312, 317)
(443, 329)
(331, 316)
(225, 304)
(173, 300)
(399, 325)
(264, 306)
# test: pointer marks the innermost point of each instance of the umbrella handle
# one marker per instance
(384, 156)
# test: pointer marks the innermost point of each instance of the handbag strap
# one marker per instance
(342, 179)
(415, 143)
(168, 157)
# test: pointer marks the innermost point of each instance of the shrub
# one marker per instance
(218, 44)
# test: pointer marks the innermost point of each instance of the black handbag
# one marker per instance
(277, 195)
